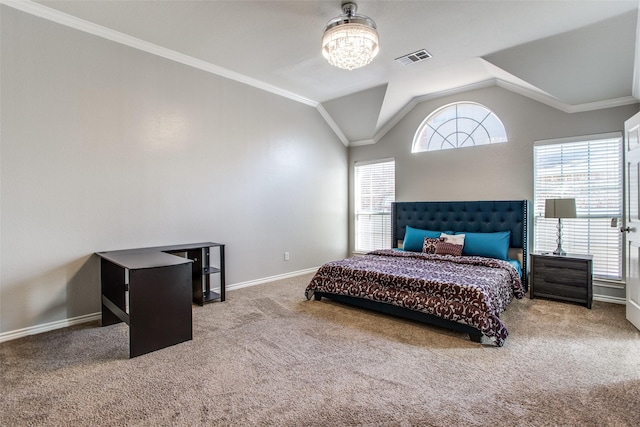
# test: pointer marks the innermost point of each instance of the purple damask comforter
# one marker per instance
(469, 290)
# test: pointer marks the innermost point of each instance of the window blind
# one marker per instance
(374, 191)
(590, 170)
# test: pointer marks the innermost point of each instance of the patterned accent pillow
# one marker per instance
(446, 248)
(429, 245)
(456, 239)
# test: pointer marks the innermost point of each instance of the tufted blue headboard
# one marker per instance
(479, 217)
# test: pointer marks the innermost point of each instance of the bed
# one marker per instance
(465, 291)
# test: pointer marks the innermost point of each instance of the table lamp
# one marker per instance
(559, 208)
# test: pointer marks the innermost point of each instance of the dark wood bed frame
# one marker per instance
(478, 217)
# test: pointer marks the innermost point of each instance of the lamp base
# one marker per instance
(559, 251)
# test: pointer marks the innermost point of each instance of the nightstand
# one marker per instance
(565, 278)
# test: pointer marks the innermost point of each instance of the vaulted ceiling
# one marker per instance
(574, 55)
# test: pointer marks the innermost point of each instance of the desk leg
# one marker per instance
(223, 284)
(206, 260)
(113, 287)
(159, 308)
(197, 256)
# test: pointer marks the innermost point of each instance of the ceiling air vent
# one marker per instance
(414, 57)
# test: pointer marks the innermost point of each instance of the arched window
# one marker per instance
(463, 124)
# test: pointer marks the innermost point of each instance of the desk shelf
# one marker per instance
(203, 272)
(210, 296)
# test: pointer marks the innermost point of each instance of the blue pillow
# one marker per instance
(516, 264)
(414, 238)
(491, 245)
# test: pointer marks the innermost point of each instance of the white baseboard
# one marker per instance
(613, 300)
(271, 279)
(46, 327)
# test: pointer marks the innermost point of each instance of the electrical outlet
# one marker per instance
(286, 256)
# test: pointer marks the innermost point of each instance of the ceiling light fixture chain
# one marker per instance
(350, 40)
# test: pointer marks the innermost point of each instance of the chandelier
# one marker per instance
(350, 40)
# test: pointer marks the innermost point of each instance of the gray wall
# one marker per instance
(106, 147)
(491, 172)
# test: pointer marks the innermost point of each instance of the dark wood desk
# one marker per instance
(151, 290)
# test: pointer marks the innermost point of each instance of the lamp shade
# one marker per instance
(560, 208)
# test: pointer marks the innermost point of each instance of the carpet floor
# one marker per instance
(269, 357)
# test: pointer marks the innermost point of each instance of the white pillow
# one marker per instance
(456, 239)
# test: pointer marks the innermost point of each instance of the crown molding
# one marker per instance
(428, 97)
(362, 142)
(528, 93)
(71, 21)
(567, 108)
(601, 105)
(332, 124)
(65, 19)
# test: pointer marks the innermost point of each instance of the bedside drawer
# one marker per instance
(576, 292)
(563, 263)
(571, 274)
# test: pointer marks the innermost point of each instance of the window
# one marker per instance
(588, 169)
(463, 124)
(375, 189)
